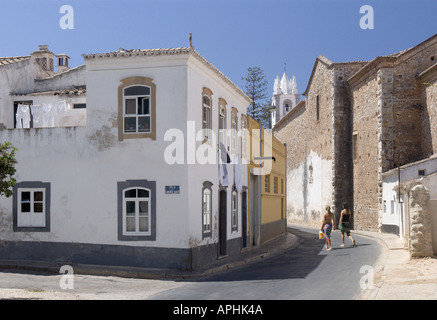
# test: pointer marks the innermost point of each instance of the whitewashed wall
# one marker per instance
(306, 200)
(63, 80)
(392, 214)
(84, 164)
(199, 77)
(16, 77)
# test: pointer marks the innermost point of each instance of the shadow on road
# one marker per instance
(292, 264)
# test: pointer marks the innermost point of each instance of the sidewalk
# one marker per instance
(397, 277)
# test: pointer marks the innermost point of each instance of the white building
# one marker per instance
(31, 89)
(395, 211)
(285, 97)
(118, 188)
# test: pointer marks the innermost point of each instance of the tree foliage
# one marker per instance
(256, 89)
(7, 168)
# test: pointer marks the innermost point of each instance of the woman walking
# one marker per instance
(327, 227)
(345, 217)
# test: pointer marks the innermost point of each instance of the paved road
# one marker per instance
(307, 272)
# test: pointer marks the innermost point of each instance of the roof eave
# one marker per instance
(170, 51)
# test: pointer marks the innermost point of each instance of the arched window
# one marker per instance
(287, 105)
(234, 213)
(244, 138)
(222, 122)
(206, 114)
(234, 130)
(136, 211)
(137, 108)
(206, 209)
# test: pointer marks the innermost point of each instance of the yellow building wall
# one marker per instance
(273, 183)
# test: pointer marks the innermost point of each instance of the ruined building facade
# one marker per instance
(358, 120)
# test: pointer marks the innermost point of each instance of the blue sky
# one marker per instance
(231, 34)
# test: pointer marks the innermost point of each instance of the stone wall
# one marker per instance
(317, 133)
(372, 117)
(427, 83)
(366, 135)
(390, 124)
(420, 230)
(307, 130)
(342, 136)
(409, 137)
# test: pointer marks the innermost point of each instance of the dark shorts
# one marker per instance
(345, 228)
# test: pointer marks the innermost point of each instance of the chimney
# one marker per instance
(62, 59)
(44, 58)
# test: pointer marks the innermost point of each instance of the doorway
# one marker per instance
(254, 208)
(222, 222)
(244, 217)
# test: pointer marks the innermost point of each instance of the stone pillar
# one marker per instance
(420, 223)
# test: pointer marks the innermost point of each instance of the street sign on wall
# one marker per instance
(172, 189)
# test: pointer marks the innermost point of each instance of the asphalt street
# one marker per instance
(307, 272)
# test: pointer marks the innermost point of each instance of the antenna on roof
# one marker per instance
(191, 40)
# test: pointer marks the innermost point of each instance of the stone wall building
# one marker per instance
(317, 176)
(359, 119)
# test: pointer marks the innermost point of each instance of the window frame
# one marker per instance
(275, 184)
(137, 115)
(207, 118)
(355, 146)
(234, 130)
(244, 137)
(207, 232)
(267, 183)
(234, 209)
(19, 224)
(137, 214)
(222, 117)
(124, 186)
(132, 82)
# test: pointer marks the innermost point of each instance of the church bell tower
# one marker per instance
(285, 97)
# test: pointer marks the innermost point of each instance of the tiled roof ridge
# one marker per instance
(137, 52)
(62, 73)
(72, 90)
(10, 60)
